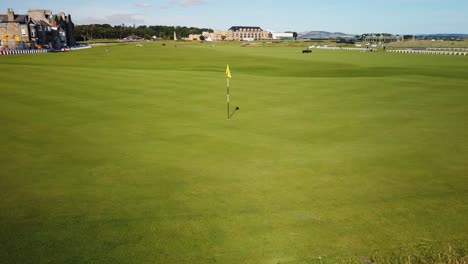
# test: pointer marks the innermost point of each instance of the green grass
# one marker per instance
(126, 156)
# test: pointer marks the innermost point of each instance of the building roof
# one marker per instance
(40, 22)
(238, 28)
(21, 18)
(18, 18)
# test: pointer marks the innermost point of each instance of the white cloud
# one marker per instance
(187, 3)
(115, 19)
(143, 5)
(184, 3)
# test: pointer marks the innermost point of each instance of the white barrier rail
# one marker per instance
(449, 49)
(20, 52)
(435, 52)
(81, 47)
(341, 48)
(34, 51)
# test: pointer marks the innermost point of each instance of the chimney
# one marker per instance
(11, 15)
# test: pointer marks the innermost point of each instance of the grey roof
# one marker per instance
(18, 18)
(21, 18)
(237, 28)
(40, 22)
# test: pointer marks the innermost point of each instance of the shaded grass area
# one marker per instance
(126, 156)
(453, 252)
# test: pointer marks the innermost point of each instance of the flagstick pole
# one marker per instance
(228, 98)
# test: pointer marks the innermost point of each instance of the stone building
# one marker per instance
(235, 33)
(13, 28)
(248, 33)
(36, 29)
(216, 35)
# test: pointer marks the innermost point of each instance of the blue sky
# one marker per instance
(393, 16)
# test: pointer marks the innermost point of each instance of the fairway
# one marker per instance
(124, 154)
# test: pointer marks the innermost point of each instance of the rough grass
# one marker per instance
(123, 154)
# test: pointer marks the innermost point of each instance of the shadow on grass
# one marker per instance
(453, 252)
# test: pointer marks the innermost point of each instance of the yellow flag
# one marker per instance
(228, 72)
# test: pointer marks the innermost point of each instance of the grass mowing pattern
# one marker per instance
(126, 156)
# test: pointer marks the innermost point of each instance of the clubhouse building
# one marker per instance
(246, 33)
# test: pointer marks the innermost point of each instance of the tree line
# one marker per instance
(106, 31)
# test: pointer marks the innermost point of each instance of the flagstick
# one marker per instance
(228, 98)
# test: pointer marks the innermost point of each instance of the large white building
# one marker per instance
(247, 32)
(235, 33)
(282, 35)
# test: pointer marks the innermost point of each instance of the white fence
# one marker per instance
(341, 48)
(33, 51)
(435, 52)
(81, 47)
(449, 49)
(453, 51)
(18, 52)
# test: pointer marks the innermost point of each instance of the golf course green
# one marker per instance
(124, 154)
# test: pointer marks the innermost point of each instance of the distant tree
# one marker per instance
(406, 37)
(202, 38)
(223, 37)
(295, 35)
(106, 31)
